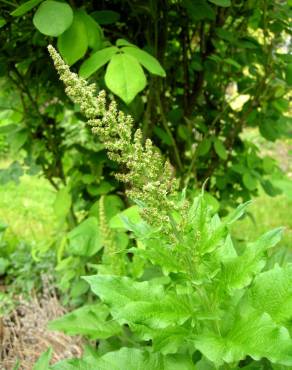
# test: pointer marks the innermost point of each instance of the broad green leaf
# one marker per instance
(158, 257)
(52, 18)
(220, 149)
(105, 16)
(85, 239)
(250, 334)
(272, 293)
(25, 7)
(44, 361)
(96, 61)
(76, 364)
(169, 340)
(281, 105)
(130, 359)
(78, 288)
(178, 362)
(224, 3)
(93, 30)
(239, 271)
(137, 359)
(140, 302)
(62, 203)
(146, 59)
(132, 214)
(17, 139)
(90, 321)
(270, 189)
(212, 202)
(104, 187)
(249, 181)
(227, 251)
(271, 129)
(159, 314)
(119, 291)
(204, 147)
(125, 77)
(7, 129)
(73, 51)
(123, 42)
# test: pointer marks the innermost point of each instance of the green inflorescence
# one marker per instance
(149, 177)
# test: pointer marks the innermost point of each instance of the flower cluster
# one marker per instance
(148, 176)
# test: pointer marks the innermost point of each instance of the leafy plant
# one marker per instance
(191, 300)
(226, 67)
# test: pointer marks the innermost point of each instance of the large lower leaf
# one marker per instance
(272, 293)
(129, 359)
(140, 302)
(89, 321)
(125, 77)
(238, 272)
(250, 334)
(118, 291)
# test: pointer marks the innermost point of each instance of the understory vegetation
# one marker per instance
(145, 185)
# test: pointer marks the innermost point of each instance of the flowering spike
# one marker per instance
(149, 177)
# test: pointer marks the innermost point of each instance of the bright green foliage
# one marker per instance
(53, 18)
(124, 75)
(85, 239)
(96, 61)
(73, 51)
(130, 359)
(89, 321)
(147, 60)
(119, 79)
(92, 246)
(272, 293)
(202, 295)
(206, 300)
